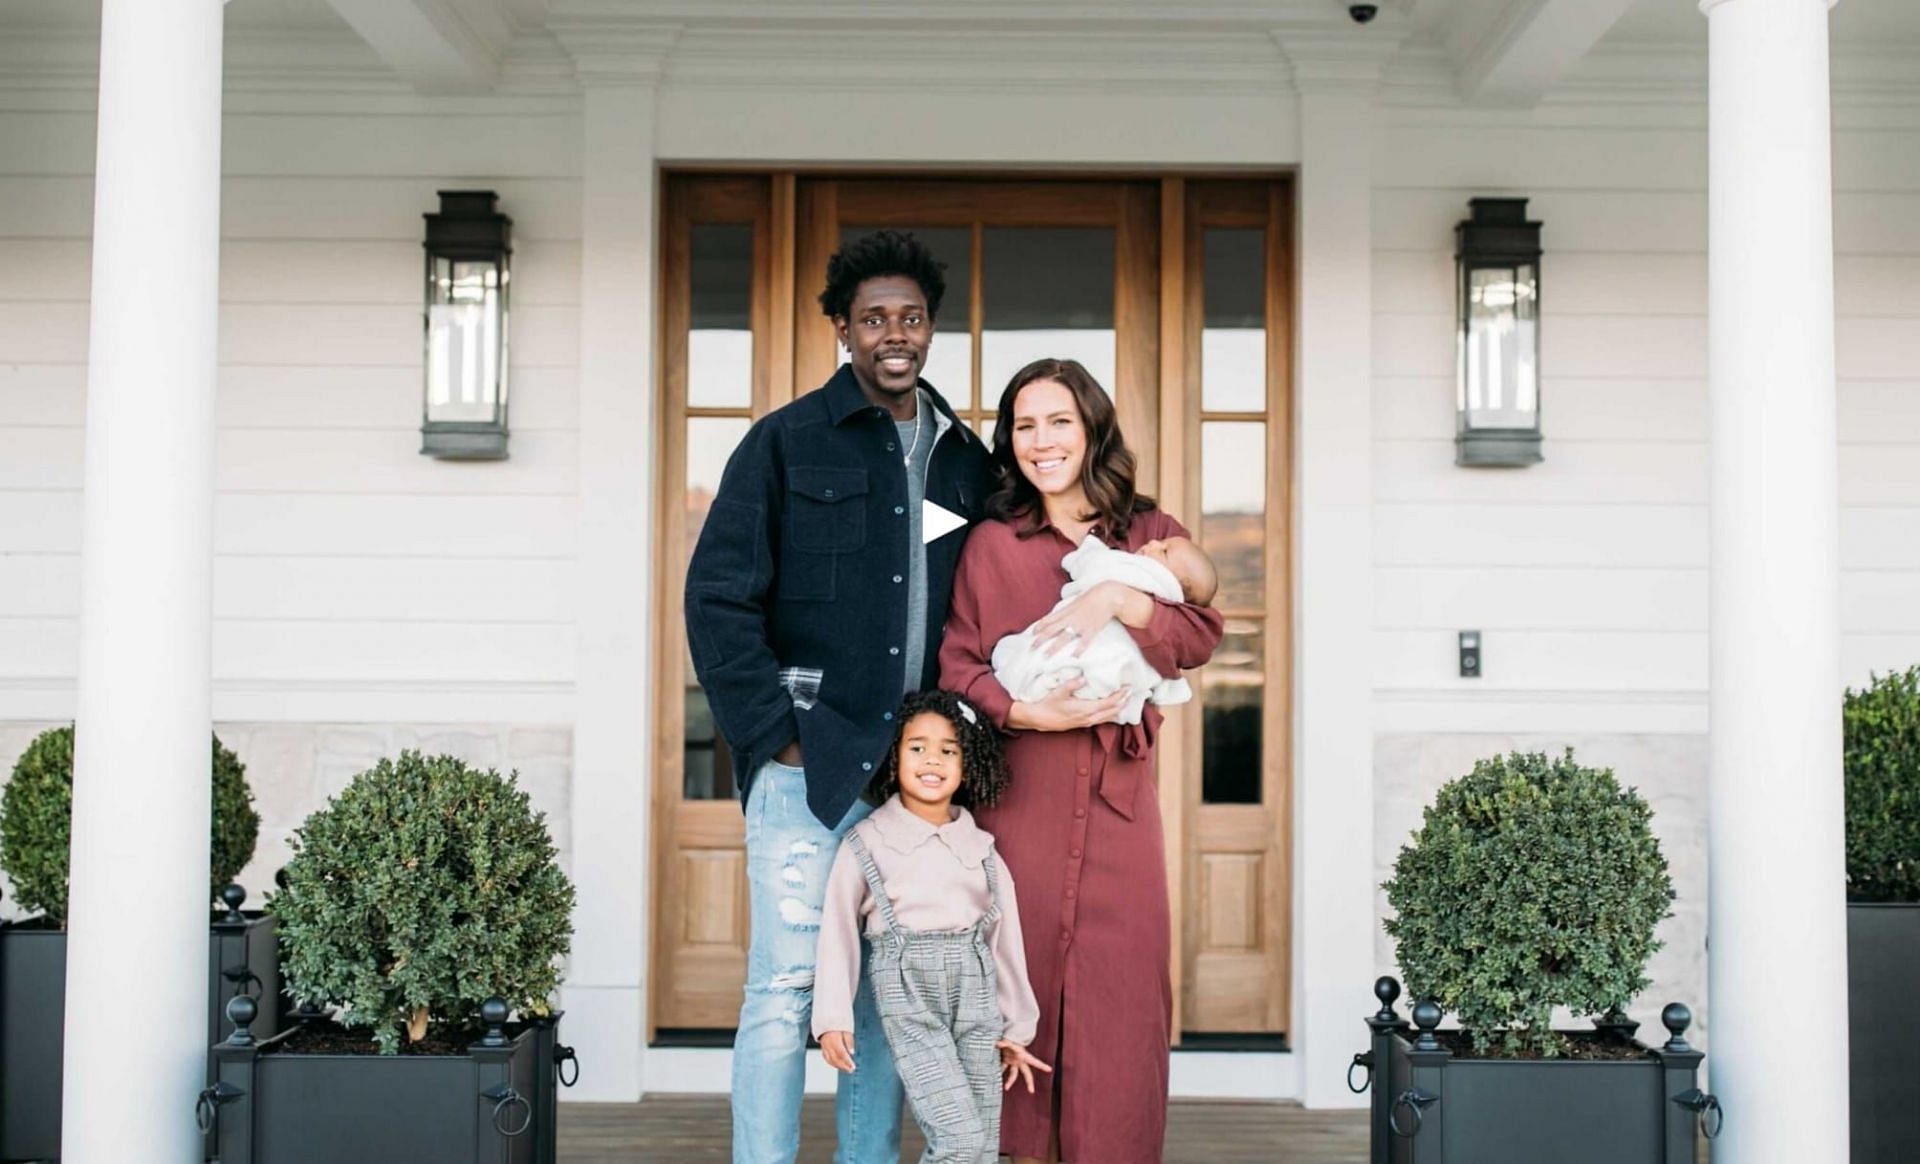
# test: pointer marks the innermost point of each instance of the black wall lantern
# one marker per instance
(1498, 379)
(469, 247)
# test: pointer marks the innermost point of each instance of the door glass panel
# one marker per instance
(1233, 338)
(1232, 694)
(949, 365)
(708, 774)
(1233, 503)
(1046, 292)
(720, 341)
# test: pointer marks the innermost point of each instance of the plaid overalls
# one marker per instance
(938, 1005)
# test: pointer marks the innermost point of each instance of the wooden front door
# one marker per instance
(1146, 282)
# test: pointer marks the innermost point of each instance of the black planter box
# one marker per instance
(494, 1104)
(1432, 1107)
(243, 958)
(1883, 1028)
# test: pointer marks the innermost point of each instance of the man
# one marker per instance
(815, 599)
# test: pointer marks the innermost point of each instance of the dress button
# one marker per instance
(893, 650)
(1079, 812)
(1071, 894)
(1074, 853)
(1066, 935)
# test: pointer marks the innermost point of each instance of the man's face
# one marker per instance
(886, 332)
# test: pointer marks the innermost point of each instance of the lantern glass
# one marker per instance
(1500, 348)
(466, 340)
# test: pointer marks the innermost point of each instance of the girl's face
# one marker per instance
(1049, 438)
(929, 759)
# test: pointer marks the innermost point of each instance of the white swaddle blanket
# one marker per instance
(1112, 659)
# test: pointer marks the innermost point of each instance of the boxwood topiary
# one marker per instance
(422, 890)
(1881, 727)
(1533, 883)
(36, 823)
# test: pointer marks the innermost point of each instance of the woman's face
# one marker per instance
(1049, 438)
(929, 760)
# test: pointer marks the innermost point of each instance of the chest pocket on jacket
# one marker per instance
(826, 509)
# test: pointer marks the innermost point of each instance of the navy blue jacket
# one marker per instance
(796, 599)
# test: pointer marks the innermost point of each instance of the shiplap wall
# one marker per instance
(1588, 573)
(355, 580)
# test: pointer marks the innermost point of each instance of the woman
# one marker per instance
(1079, 825)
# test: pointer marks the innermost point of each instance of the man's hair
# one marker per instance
(983, 767)
(884, 252)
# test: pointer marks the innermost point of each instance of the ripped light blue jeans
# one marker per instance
(789, 854)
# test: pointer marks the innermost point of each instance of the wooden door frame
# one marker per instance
(1161, 347)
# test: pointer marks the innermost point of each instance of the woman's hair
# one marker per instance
(1106, 471)
(884, 252)
(983, 770)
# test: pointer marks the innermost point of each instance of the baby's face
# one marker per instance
(1183, 558)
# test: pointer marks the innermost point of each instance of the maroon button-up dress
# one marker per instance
(1079, 827)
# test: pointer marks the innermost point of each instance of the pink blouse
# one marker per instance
(934, 879)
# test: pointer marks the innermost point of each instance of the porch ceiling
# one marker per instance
(1487, 52)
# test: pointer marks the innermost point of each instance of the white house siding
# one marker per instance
(366, 598)
(1587, 574)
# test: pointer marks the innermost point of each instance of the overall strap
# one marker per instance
(874, 884)
(992, 916)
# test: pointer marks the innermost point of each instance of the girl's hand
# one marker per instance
(836, 1047)
(1016, 1063)
(1064, 711)
(1073, 626)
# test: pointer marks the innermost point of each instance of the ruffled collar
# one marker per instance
(903, 832)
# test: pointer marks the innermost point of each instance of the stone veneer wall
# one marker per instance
(1669, 770)
(294, 768)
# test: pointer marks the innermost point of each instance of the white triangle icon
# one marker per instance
(937, 522)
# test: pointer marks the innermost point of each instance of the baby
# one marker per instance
(1176, 570)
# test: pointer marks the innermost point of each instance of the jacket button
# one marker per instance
(897, 578)
(866, 767)
(888, 716)
(829, 493)
(893, 650)
(899, 509)
(889, 446)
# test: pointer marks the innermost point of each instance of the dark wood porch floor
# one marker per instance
(693, 1129)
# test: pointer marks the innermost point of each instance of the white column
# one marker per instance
(1777, 924)
(136, 1024)
(1333, 689)
(605, 993)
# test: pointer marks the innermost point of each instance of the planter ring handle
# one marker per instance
(562, 1056)
(206, 1109)
(1415, 1101)
(1707, 1105)
(244, 980)
(1361, 1059)
(504, 1098)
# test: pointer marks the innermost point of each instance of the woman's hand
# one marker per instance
(1016, 1063)
(1063, 710)
(1074, 625)
(836, 1047)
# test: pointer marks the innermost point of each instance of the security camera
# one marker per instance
(1363, 13)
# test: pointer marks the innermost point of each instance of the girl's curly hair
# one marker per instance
(983, 769)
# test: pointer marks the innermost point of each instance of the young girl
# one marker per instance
(948, 969)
